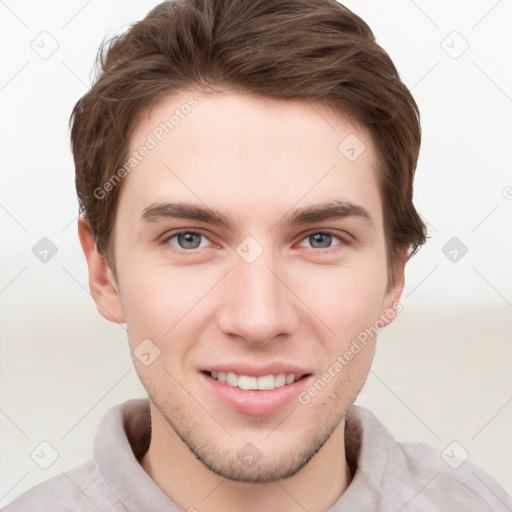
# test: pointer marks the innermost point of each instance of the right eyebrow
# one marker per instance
(177, 210)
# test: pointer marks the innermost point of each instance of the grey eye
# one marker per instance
(320, 240)
(188, 240)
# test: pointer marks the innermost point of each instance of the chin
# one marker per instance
(259, 472)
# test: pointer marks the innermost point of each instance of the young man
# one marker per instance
(245, 175)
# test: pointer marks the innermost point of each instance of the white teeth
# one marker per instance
(232, 379)
(264, 383)
(246, 382)
(280, 380)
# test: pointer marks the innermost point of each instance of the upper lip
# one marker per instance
(259, 371)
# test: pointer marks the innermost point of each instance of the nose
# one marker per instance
(256, 304)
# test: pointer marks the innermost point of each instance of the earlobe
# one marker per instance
(104, 289)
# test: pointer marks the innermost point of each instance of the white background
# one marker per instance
(442, 371)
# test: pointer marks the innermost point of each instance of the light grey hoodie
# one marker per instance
(389, 477)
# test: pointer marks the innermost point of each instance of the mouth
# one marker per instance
(251, 382)
(257, 395)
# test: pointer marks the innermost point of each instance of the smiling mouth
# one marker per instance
(263, 383)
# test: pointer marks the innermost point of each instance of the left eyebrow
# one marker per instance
(309, 214)
(327, 211)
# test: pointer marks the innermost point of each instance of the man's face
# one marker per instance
(261, 297)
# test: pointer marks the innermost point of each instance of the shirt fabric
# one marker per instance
(389, 476)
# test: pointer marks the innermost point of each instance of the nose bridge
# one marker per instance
(258, 306)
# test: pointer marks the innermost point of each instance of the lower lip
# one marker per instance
(258, 403)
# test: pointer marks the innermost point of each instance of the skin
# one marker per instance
(302, 301)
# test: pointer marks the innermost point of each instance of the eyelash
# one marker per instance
(190, 252)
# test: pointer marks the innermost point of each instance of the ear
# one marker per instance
(102, 284)
(391, 305)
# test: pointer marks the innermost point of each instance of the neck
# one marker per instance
(316, 487)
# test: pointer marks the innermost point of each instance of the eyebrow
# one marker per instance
(331, 210)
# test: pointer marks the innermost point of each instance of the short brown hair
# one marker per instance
(311, 50)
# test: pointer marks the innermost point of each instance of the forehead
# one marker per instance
(239, 152)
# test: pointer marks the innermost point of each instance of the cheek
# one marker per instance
(161, 301)
(347, 299)
(153, 302)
